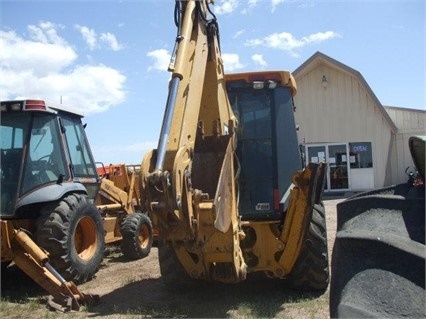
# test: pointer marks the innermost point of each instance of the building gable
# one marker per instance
(320, 62)
(338, 115)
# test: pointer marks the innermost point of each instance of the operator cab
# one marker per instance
(42, 148)
(267, 146)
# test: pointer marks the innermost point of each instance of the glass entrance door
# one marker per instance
(317, 154)
(336, 156)
(338, 167)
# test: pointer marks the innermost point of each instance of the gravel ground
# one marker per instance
(135, 289)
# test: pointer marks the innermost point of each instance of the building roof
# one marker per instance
(320, 58)
(404, 109)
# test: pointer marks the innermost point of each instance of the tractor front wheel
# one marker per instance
(72, 231)
(136, 231)
(311, 271)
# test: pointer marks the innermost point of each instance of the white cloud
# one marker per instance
(287, 42)
(231, 62)
(94, 41)
(89, 36)
(238, 33)
(44, 67)
(251, 4)
(45, 32)
(320, 37)
(161, 59)
(111, 41)
(39, 57)
(101, 87)
(225, 6)
(275, 3)
(258, 59)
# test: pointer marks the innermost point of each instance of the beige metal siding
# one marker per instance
(409, 122)
(343, 111)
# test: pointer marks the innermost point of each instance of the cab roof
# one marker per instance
(36, 106)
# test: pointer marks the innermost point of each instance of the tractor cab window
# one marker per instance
(267, 148)
(31, 154)
(14, 128)
(45, 160)
(255, 151)
(81, 158)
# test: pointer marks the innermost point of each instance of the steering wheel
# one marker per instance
(48, 156)
(43, 162)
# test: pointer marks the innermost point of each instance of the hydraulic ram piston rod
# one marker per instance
(165, 128)
(177, 65)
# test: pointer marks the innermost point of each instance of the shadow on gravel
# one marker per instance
(256, 297)
(17, 287)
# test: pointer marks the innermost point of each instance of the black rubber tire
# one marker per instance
(72, 231)
(378, 262)
(311, 271)
(172, 272)
(137, 237)
(4, 265)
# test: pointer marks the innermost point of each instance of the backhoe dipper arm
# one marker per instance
(196, 102)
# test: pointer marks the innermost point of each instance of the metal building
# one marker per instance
(342, 122)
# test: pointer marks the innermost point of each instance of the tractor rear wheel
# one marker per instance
(72, 231)
(172, 272)
(136, 232)
(311, 270)
(378, 263)
(4, 265)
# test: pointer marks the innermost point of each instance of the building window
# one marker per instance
(360, 155)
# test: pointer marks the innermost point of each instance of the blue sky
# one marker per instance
(108, 59)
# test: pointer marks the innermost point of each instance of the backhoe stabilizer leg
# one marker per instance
(309, 184)
(65, 296)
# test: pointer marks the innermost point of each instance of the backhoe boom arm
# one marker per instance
(189, 181)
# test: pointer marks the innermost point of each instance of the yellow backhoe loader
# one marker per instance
(225, 186)
(119, 202)
(54, 201)
(48, 183)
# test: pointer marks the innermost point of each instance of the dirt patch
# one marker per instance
(135, 289)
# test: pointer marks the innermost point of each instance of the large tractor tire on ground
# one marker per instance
(172, 272)
(137, 237)
(72, 231)
(311, 271)
(378, 262)
(4, 265)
